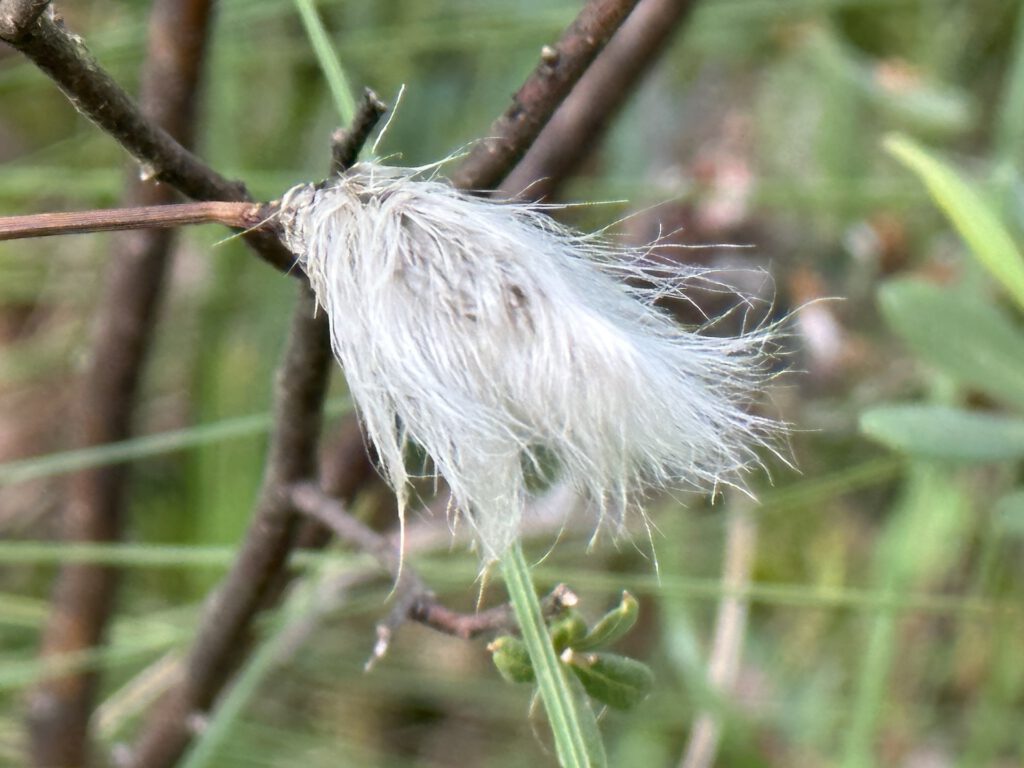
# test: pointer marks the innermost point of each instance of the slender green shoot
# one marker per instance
(146, 446)
(967, 209)
(572, 721)
(329, 63)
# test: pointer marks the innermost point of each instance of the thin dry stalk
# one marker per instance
(730, 629)
(236, 215)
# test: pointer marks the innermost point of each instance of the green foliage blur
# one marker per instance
(871, 152)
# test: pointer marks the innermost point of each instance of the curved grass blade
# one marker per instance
(973, 218)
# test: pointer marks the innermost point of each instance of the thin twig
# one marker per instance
(498, 619)
(584, 116)
(238, 215)
(61, 708)
(414, 601)
(533, 105)
(43, 38)
(347, 144)
(308, 499)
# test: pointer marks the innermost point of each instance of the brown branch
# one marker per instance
(414, 601)
(429, 612)
(583, 118)
(308, 499)
(237, 215)
(259, 572)
(60, 707)
(43, 38)
(222, 637)
(347, 144)
(17, 16)
(426, 610)
(536, 101)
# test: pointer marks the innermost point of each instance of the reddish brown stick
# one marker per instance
(237, 215)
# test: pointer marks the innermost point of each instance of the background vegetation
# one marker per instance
(882, 582)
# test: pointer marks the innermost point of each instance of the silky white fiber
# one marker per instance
(507, 346)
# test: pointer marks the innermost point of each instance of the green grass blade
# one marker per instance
(336, 79)
(973, 218)
(572, 721)
(63, 462)
(448, 573)
(929, 522)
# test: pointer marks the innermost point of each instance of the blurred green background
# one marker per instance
(878, 589)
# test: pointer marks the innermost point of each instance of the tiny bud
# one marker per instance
(512, 659)
(380, 648)
(612, 626)
(567, 632)
(564, 597)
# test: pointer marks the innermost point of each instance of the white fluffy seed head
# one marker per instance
(507, 346)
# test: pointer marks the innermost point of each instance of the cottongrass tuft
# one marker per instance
(507, 347)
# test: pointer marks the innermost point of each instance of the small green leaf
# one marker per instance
(512, 659)
(568, 631)
(612, 626)
(614, 680)
(971, 340)
(973, 218)
(939, 432)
